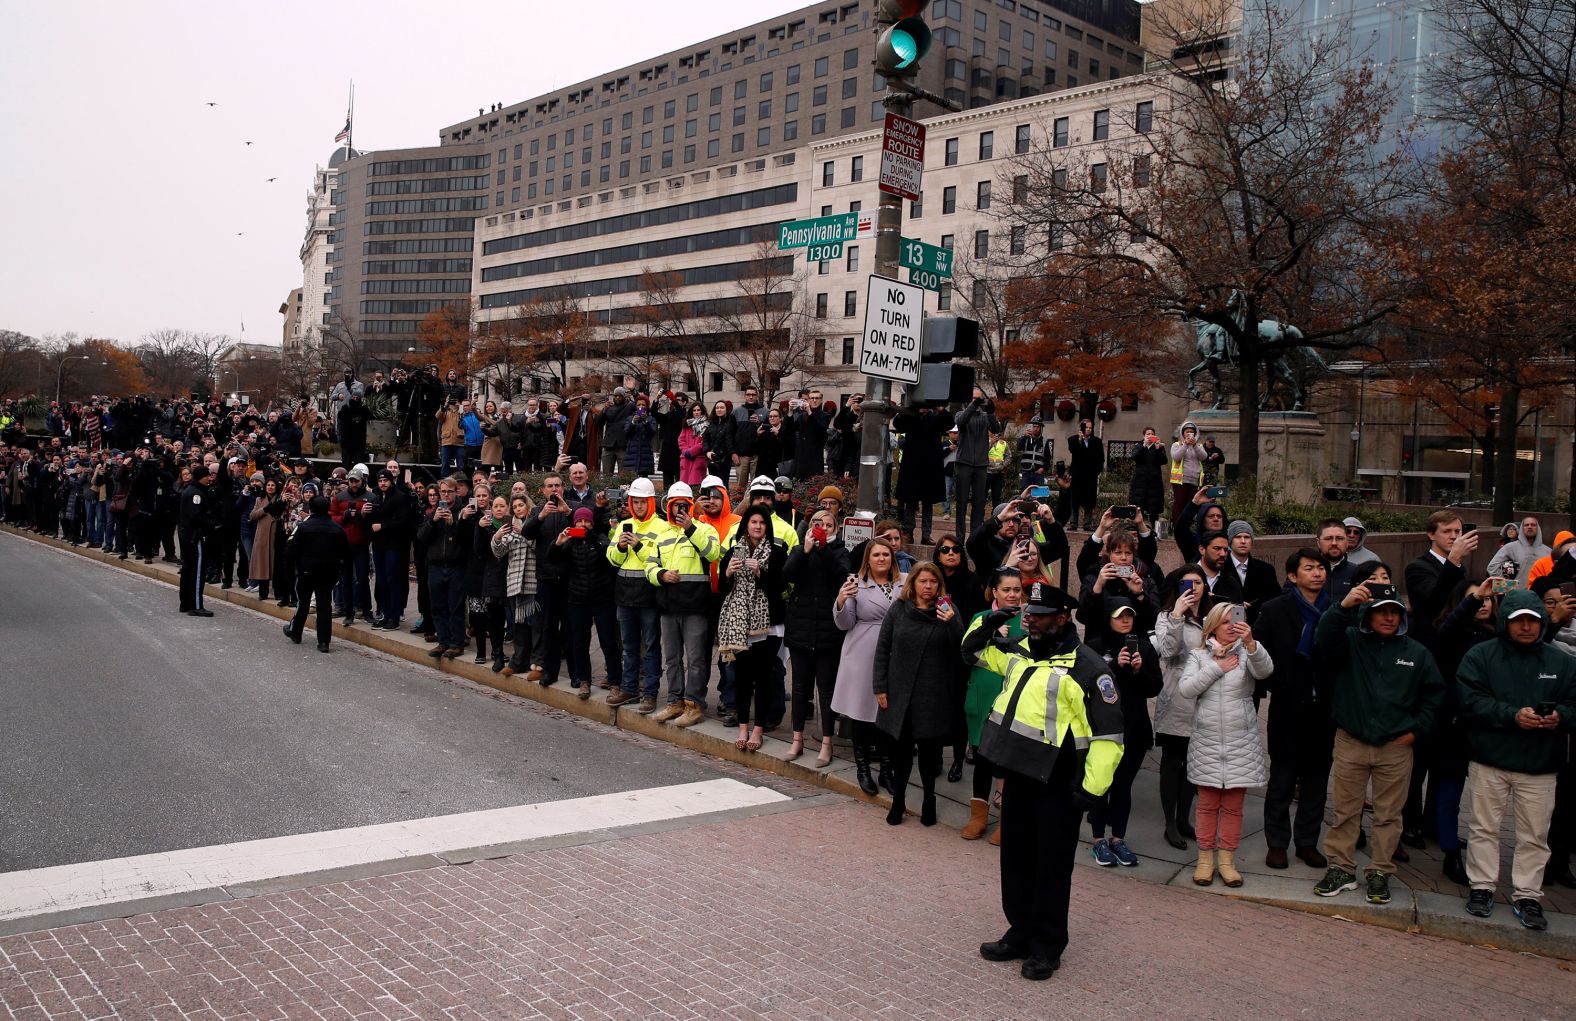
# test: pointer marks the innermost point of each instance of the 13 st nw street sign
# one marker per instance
(928, 266)
(823, 235)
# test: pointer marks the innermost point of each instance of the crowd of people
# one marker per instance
(1400, 701)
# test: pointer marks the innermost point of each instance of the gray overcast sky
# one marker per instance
(126, 204)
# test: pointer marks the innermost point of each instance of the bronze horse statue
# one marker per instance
(1216, 346)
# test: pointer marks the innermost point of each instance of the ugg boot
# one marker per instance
(1228, 871)
(995, 837)
(979, 818)
(1204, 874)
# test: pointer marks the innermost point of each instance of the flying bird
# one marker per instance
(271, 179)
(248, 143)
(240, 233)
(213, 104)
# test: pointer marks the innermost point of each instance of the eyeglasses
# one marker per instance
(944, 550)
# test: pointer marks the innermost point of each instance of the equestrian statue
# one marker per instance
(1216, 346)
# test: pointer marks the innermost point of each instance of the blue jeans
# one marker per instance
(98, 515)
(446, 582)
(355, 584)
(451, 456)
(393, 582)
(640, 626)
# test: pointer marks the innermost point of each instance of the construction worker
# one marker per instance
(679, 564)
(639, 620)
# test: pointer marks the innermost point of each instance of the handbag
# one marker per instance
(117, 503)
(1010, 750)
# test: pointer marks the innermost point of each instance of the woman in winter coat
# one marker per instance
(640, 433)
(692, 449)
(265, 514)
(485, 578)
(750, 619)
(1178, 631)
(518, 555)
(1135, 667)
(590, 579)
(492, 442)
(1120, 573)
(915, 677)
(1006, 593)
(1151, 467)
(967, 592)
(1226, 752)
(862, 603)
(815, 570)
(718, 441)
(773, 443)
(920, 483)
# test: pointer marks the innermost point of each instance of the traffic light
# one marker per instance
(940, 381)
(904, 40)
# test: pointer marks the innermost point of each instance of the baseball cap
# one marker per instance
(1524, 611)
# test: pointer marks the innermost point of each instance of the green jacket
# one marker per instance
(1384, 687)
(1497, 678)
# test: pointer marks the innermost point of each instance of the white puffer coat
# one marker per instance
(1226, 750)
(1175, 641)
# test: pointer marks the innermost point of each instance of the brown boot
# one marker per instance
(995, 837)
(1228, 869)
(979, 818)
(693, 714)
(668, 712)
(1204, 874)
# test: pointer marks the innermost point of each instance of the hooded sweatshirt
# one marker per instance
(1546, 564)
(1190, 459)
(1521, 553)
(631, 587)
(1497, 679)
(723, 524)
(1383, 687)
(690, 553)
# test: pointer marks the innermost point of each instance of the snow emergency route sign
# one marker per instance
(894, 318)
(902, 157)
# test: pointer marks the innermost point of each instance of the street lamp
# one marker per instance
(61, 374)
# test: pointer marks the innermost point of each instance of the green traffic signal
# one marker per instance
(901, 46)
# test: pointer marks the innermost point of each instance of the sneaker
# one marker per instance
(1124, 854)
(1336, 881)
(1481, 903)
(1101, 853)
(1531, 914)
(1378, 888)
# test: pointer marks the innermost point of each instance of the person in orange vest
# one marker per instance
(1562, 545)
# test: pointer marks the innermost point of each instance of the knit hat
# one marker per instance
(1237, 528)
(584, 515)
(831, 493)
(257, 476)
(384, 473)
(1562, 538)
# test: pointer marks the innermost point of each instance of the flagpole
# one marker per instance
(350, 123)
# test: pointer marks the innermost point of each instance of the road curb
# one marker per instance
(1427, 914)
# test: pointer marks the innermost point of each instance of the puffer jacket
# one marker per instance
(1175, 641)
(640, 430)
(591, 577)
(1226, 750)
(815, 576)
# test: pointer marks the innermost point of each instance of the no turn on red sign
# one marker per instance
(902, 156)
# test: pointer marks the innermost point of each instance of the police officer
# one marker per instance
(1049, 778)
(198, 515)
(320, 549)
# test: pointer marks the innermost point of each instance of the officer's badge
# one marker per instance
(1107, 688)
(196, 499)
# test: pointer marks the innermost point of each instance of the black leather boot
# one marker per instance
(1453, 869)
(862, 770)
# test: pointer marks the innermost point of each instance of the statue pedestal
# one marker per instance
(1293, 448)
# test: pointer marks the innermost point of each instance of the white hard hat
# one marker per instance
(641, 489)
(360, 470)
(679, 491)
(712, 482)
(762, 484)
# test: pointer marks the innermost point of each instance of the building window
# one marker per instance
(1097, 178)
(850, 59)
(763, 109)
(916, 208)
(1144, 117)
(1016, 244)
(713, 98)
(713, 148)
(848, 117)
(853, 258)
(1141, 171)
(982, 195)
(944, 298)
(1021, 139)
(981, 244)
(1020, 188)
(667, 134)
(979, 295)
(741, 88)
(691, 104)
(820, 305)
(714, 122)
(670, 108)
(822, 66)
(791, 103)
(648, 115)
(848, 350)
(790, 131)
(740, 115)
(850, 88)
(715, 380)
(763, 136)
(1059, 132)
(791, 76)
(850, 304)
(946, 241)
(987, 144)
(952, 152)
(980, 24)
(818, 96)
(949, 200)
(856, 169)
(818, 124)
(645, 164)
(1102, 125)
(828, 173)
(766, 83)
(736, 144)
(819, 356)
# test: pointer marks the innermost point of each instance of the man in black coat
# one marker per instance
(672, 410)
(198, 515)
(1087, 454)
(810, 423)
(1248, 580)
(1433, 576)
(1151, 464)
(352, 426)
(1301, 735)
(920, 482)
(319, 548)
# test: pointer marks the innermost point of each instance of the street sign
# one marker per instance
(821, 230)
(822, 253)
(926, 279)
(894, 318)
(931, 258)
(902, 156)
(857, 529)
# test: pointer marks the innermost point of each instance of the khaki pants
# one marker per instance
(746, 471)
(1389, 768)
(1532, 800)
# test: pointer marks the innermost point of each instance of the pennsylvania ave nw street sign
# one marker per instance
(894, 318)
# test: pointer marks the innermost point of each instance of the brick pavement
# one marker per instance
(775, 917)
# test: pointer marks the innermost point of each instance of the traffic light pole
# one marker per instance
(878, 407)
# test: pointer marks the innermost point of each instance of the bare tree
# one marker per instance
(676, 339)
(770, 336)
(19, 355)
(984, 288)
(1239, 200)
(171, 362)
(343, 346)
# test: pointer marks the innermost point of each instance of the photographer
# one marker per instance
(1019, 522)
(451, 437)
(810, 424)
(975, 424)
(640, 429)
(1120, 575)
(920, 483)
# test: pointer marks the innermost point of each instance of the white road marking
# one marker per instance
(88, 884)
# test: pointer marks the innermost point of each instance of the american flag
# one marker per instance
(344, 135)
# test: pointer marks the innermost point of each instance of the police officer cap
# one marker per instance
(199, 472)
(1043, 597)
(318, 505)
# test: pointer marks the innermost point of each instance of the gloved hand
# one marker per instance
(1085, 801)
(996, 618)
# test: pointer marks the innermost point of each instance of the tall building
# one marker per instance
(290, 308)
(797, 79)
(317, 254)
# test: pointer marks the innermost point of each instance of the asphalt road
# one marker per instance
(130, 728)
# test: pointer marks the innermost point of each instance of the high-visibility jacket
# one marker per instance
(690, 552)
(780, 530)
(632, 587)
(1069, 699)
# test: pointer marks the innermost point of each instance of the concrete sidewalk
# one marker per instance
(1423, 900)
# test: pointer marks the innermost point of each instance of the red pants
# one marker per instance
(1219, 821)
